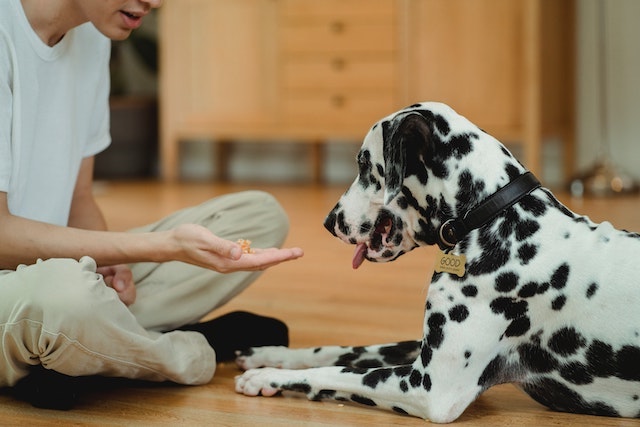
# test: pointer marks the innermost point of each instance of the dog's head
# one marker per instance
(417, 167)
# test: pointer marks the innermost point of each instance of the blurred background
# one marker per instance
(284, 90)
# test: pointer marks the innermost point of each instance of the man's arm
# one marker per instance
(24, 240)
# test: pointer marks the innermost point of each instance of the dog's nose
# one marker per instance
(330, 222)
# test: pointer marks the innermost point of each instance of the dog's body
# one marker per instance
(548, 300)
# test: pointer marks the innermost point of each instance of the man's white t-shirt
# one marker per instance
(54, 111)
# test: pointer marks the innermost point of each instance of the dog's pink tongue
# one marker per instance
(358, 255)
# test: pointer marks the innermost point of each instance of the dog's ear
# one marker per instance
(407, 134)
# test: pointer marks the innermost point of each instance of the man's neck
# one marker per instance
(51, 19)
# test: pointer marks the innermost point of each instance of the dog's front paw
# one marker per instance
(259, 357)
(256, 382)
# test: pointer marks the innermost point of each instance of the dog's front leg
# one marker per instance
(402, 389)
(402, 353)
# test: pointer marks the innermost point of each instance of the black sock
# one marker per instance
(45, 388)
(240, 330)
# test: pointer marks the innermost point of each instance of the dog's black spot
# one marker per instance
(518, 327)
(526, 229)
(500, 250)
(403, 386)
(556, 395)
(425, 355)
(402, 371)
(484, 265)
(591, 290)
(399, 410)
(527, 252)
(435, 335)
(506, 282)
(601, 359)
(368, 363)
(400, 354)
(324, 394)
(342, 225)
(442, 125)
(362, 400)
(426, 382)
(512, 171)
(509, 307)
(348, 358)
(628, 365)
(297, 387)
(470, 190)
(373, 378)
(536, 359)
(353, 370)
(560, 276)
(364, 169)
(528, 290)
(543, 287)
(459, 313)
(469, 291)
(566, 341)
(559, 302)
(415, 379)
(460, 145)
(533, 205)
(576, 373)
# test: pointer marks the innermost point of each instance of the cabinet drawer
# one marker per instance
(357, 109)
(342, 35)
(365, 10)
(339, 72)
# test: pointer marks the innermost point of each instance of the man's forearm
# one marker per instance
(25, 241)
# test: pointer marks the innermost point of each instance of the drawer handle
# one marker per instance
(338, 101)
(338, 64)
(337, 27)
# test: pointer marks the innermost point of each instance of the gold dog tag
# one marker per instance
(450, 263)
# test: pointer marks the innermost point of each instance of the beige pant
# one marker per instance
(59, 313)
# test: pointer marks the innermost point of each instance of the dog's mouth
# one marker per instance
(378, 240)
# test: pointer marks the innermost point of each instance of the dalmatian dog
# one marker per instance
(524, 290)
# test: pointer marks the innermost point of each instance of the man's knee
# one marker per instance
(254, 215)
(271, 214)
(60, 288)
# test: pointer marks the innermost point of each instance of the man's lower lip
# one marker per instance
(129, 22)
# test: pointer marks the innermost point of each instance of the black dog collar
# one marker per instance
(454, 229)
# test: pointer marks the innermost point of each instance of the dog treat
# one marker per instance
(245, 245)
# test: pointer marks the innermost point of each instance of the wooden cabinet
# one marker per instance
(312, 71)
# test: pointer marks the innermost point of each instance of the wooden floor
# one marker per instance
(323, 301)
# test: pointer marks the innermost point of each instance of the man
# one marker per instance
(75, 299)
